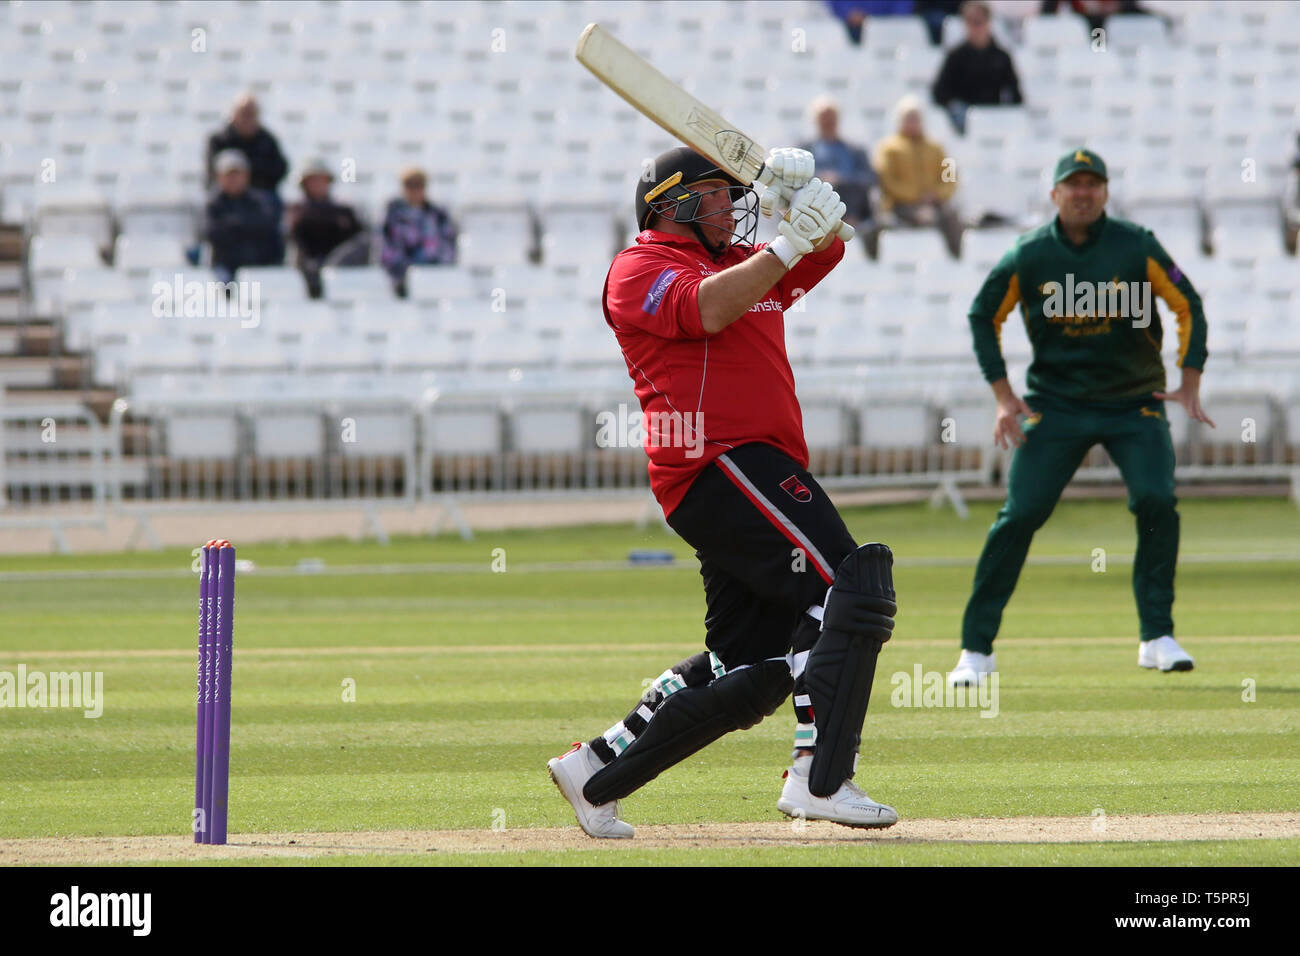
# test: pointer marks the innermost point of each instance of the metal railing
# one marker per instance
(53, 468)
(170, 453)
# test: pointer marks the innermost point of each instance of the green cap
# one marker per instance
(1079, 159)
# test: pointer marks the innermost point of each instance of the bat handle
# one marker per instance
(846, 232)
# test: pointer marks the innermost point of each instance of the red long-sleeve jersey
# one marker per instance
(703, 394)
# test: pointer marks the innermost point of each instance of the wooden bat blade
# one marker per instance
(665, 103)
(673, 109)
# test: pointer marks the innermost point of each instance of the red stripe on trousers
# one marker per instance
(776, 522)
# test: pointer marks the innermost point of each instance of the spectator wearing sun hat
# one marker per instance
(324, 232)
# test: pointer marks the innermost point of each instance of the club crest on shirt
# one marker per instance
(796, 489)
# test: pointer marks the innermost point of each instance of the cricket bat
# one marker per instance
(664, 102)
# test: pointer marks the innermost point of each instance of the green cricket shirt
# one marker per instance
(1090, 313)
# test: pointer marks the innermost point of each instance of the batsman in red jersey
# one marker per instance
(792, 602)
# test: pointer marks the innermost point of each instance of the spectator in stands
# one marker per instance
(1096, 11)
(1293, 201)
(933, 13)
(324, 232)
(841, 164)
(977, 72)
(917, 180)
(416, 232)
(240, 222)
(245, 132)
(854, 13)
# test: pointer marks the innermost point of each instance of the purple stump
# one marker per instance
(223, 647)
(200, 721)
(209, 681)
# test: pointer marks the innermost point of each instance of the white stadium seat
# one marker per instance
(356, 284)
(913, 245)
(492, 235)
(894, 33)
(1127, 33)
(275, 283)
(536, 159)
(137, 255)
(982, 248)
(1062, 31)
(440, 284)
(47, 256)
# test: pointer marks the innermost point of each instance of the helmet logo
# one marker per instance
(664, 186)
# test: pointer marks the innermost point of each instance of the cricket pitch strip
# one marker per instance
(1028, 830)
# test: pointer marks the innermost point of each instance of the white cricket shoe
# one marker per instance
(848, 805)
(1165, 654)
(972, 668)
(571, 771)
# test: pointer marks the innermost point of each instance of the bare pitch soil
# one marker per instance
(1033, 830)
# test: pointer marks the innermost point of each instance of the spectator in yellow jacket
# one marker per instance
(917, 179)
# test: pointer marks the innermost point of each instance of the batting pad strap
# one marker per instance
(668, 683)
(715, 665)
(618, 737)
(816, 611)
(797, 662)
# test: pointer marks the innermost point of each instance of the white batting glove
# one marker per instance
(785, 171)
(815, 211)
(775, 201)
(787, 166)
(787, 247)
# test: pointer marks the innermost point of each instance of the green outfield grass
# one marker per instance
(467, 681)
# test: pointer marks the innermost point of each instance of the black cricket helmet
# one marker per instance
(665, 189)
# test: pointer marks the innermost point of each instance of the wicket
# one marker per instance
(212, 734)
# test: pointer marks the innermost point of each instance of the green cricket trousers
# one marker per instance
(1056, 441)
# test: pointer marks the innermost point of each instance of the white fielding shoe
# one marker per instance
(1165, 654)
(848, 805)
(571, 771)
(972, 668)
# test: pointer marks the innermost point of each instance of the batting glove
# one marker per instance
(786, 170)
(815, 211)
(789, 247)
(787, 166)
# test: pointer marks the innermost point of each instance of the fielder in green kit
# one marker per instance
(1085, 284)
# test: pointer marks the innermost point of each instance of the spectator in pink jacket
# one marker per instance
(416, 232)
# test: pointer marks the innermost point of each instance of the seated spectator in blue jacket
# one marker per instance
(416, 232)
(240, 222)
(976, 72)
(843, 165)
(854, 13)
